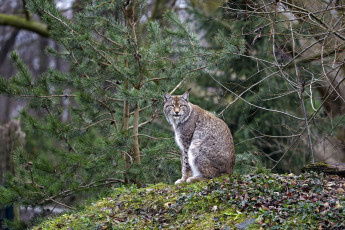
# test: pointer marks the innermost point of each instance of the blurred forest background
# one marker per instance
(81, 90)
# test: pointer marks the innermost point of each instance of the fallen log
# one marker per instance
(328, 168)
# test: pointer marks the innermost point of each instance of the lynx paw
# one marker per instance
(193, 179)
(179, 181)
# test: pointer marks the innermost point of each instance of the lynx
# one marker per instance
(205, 140)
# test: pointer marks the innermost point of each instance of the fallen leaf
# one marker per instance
(167, 205)
(326, 205)
(264, 207)
(340, 190)
(214, 208)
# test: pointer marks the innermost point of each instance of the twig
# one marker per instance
(96, 123)
(111, 113)
(262, 136)
(179, 84)
(48, 96)
(238, 96)
(108, 39)
(155, 79)
(145, 122)
(156, 138)
(141, 109)
(301, 96)
(45, 193)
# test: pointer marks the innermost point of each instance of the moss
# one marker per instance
(157, 206)
(253, 201)
(316, 164)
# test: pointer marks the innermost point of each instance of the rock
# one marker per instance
(245, 224)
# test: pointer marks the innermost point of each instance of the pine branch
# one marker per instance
(22, 23)
(95, 184)
(48, 96)
(50, 198)
(154, 116)
(155, 79)
(156, 138)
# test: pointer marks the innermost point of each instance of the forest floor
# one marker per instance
(260, 201)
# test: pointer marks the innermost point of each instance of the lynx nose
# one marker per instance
(176, 112)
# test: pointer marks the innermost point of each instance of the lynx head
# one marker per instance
(177, 108)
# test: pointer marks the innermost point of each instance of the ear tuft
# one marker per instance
(167, 97)
(185, 96)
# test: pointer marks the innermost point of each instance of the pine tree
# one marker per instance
(99, 124)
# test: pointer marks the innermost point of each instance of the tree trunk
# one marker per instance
(8, 44)
(136, 151)
(125, 128)
(159, 7)
(11, 138)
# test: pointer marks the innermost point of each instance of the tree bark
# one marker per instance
(159, 7)
(22, 23)
(11, 138)
(8, 46)
(125, 128)
(136, 151)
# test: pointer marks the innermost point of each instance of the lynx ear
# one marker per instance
(167, 97)
(185, 96)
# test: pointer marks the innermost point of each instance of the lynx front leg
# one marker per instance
(186, 171)
(193, 153)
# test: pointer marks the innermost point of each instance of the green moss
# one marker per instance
(316, 165)
(253, 201)
(157, 206)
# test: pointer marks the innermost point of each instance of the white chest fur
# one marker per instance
(179, 141)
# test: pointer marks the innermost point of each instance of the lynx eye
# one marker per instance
(181, 106)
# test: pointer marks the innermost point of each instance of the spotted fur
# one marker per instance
(205, 140)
